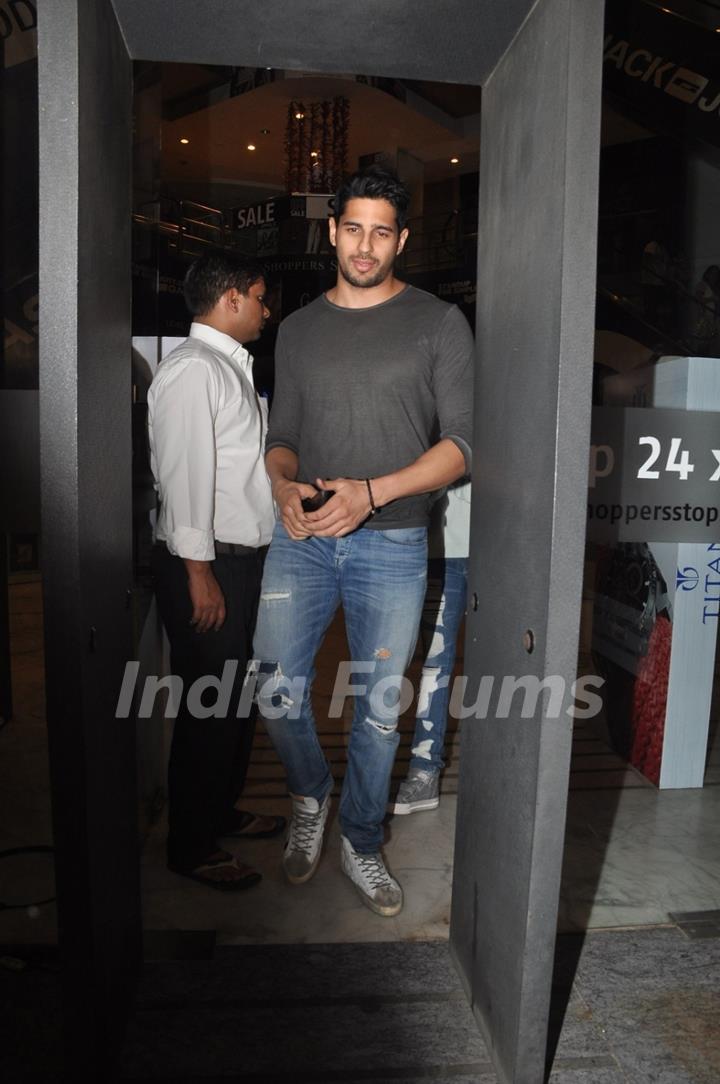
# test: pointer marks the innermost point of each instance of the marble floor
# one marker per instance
(632, 857)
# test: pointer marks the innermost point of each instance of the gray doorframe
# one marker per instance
(536, 291)
(539, 64)
(85, 120)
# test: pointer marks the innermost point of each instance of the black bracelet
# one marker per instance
(373, 509)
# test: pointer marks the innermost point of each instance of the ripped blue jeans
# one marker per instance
(442, 614)
(379, 577)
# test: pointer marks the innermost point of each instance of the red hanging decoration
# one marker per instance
(341, 118)
(315, 184)
(316, 145)
(326, 151)
(293, 146)
(650, 701)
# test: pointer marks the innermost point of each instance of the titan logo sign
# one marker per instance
(661, 73)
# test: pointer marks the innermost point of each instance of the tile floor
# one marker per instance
(628, 1007)
(328, 1013)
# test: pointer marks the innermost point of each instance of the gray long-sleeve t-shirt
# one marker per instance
(363, 392)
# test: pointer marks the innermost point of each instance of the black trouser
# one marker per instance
(209, 757)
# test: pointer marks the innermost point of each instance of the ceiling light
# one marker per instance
(313, 154)
(299, 116)
(251, 146)
(454, 161)
(184, 140)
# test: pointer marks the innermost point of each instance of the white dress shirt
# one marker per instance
(449, 531)
(207, 429)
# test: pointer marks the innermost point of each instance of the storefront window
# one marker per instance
(653, 556)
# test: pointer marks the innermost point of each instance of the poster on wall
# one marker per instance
(632, 637)
(654, 551)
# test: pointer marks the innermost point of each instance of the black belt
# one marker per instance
(234, 549)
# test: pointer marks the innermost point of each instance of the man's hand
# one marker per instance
(344, 512)
(288, 495)
(207, 599)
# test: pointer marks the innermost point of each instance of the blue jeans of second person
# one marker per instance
(442, 613)
(379, 577)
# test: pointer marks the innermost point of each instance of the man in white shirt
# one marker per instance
(207, 429)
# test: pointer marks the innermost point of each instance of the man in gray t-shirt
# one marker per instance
(373, 404)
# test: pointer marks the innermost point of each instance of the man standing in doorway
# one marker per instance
(207, 427)
(373, 402)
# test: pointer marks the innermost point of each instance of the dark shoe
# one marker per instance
(419, 790)
(245, 825)
(243, 876)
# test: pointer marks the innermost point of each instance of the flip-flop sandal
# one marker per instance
(243, 821)
(251, 876)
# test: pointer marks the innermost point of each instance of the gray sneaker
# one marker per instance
(305, 835)
(375, 887)
(419, 790)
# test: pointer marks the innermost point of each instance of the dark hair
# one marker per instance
(375, 182)
(209, 277)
